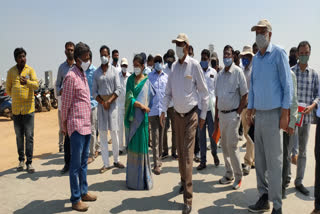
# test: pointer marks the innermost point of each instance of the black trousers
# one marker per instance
(67, 152)
(317, 178)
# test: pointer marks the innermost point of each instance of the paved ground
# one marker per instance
(46, 191)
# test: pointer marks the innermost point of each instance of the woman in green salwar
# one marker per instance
(136, 121)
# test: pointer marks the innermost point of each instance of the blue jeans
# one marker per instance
(79, 146)
(209, 124)
(24, 128)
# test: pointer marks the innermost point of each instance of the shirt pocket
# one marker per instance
(187, 84)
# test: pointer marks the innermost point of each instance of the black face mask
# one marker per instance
(115, 60)
(213, 63)
(170, 64)
(292, 61)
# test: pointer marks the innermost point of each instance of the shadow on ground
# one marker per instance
(40, 207)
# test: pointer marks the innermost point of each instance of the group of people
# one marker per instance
(256, 88)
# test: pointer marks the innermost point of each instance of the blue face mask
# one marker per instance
(204, 64)
(158, 66)
(227, 61)
(245, 62)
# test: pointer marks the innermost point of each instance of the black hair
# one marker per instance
(19, 51)
(150, 58)
(205, 52)
(304, 43)
(105, 47)
(228, 47)
(157, 59)
(68, 44)
(80, 49)
(170, 53)
(139, 59)
(144, 57)
(90, 54)
(190, 48)
(114, 51)
(165, 56)
(237, 52)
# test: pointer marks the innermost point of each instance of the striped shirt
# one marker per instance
(22, 95)
(307, 88)
(76, 107)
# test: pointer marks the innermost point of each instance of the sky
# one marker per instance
(42, 27)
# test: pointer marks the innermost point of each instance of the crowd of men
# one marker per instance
(255, 88)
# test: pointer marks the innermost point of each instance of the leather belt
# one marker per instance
(226, 112)
(188, 113)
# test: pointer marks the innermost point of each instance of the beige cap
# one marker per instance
(181, 38)
(247, 50)
(124, 61)
(262, 23)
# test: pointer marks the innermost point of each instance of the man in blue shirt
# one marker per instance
(158, 80)
(270, 95)
(94, 144)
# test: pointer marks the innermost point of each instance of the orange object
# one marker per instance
(216, 135)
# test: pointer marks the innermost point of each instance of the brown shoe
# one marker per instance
(89, 197)
(156, 170)
(104, 169)
(294, 159)
(90, 160)
(80, 206)
(118, 165)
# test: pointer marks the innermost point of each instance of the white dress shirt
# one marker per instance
(210, 75)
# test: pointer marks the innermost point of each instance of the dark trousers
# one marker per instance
(78, 165)
(317, 156)
(67, 150)
(288, 142)
(197, 144)
(170, 117)
(24, 129)
(202, 134)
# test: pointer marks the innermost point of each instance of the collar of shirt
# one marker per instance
(297, 67)
(269, 50)
(230, 69)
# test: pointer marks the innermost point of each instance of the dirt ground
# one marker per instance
(45, 138)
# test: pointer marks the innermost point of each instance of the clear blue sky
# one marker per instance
(42, 27)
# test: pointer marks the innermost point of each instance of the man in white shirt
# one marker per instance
(210, 76)
(115, 60)
(123, 76)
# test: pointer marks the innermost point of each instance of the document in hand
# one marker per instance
(216, 135)
(301, 108)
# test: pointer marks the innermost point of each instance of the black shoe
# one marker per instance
(164, 155)
(287, 183)
(186, 209)
(202, 166)
(64, 170)
(174, 156)
(30, 168)
(302, 189)
(262, 205)
(181, 190)
(278, 211)
(20, 167)
(61, 149)
(216, 160)
(120, 152)
(197, 159)
(284, 196)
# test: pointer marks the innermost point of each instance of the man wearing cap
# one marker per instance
(231, 98)
(270, 95)
(185, 82)
(246, 58)
(123, 76)
(170, 113)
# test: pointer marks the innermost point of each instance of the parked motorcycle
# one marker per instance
(53, 99)
(45, 97)
(37, 100)
(5, 104)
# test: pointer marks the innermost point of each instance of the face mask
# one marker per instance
(303, 59)
(213, 63)
(150, 67)
(85, 65)
(104, 60)
(292, 61)
(158, 66)
(115, 60)
(170, 64)
(124, 70)
(245, 62)
(261, 41)
(137, 71)
(204, 64)
(227, 61)
(179, 51)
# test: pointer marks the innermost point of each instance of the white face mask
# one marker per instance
(104, 60)
(85, 65)
(137, 71)
(261, 41)
(179, 51)
(124, 70)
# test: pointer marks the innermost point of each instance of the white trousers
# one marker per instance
(104, 147)
(121, 132)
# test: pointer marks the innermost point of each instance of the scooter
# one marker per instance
(5, 104)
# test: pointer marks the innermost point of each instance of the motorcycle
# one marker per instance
(5, 104)
(45, 97)
(37, 100)
(53, 99)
